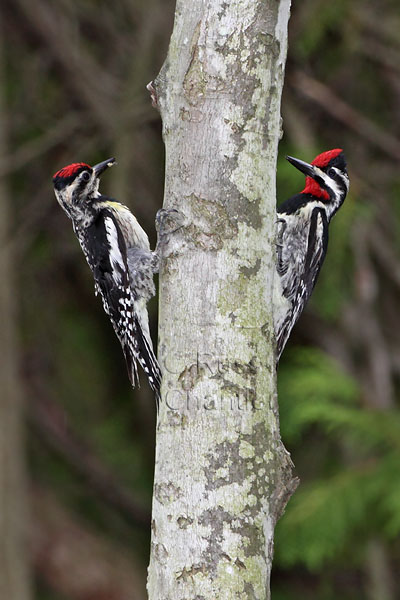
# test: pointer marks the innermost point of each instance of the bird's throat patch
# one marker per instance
(314, 189)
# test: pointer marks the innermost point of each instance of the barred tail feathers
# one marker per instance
(149, 363)
(143, 354)
(130, 359)
(146, 356)
(147, 359)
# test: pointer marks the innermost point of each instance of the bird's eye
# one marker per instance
(85, 176)
(331, 172)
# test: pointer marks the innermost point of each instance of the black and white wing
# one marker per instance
(298, 263)
(107, 252)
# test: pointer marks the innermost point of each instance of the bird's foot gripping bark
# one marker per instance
(153, 94)
(168, 221)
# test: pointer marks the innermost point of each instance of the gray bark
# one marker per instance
(222, 475)
(14, 578)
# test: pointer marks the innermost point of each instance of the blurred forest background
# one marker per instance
(76, 481)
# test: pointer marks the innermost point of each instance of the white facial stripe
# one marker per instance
(329, 182)
(344, 177)
(91, 186)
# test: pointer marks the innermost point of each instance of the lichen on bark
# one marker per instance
(222, 475)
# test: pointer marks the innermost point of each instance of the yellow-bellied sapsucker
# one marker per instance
(118, 253)
(302, 236)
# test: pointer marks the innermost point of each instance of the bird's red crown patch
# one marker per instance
(322, 160)
(70, 170)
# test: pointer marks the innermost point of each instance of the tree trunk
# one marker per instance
(222, 475)
(14, 579)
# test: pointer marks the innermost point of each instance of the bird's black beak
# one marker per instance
(101, 167)
(302, 166)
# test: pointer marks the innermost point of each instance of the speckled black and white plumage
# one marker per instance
(302, 237)
(118, 253)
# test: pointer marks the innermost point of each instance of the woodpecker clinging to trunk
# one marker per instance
(118, 253)
(302, 236)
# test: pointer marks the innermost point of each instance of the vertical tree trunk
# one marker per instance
(222, 474)
(14, 580)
